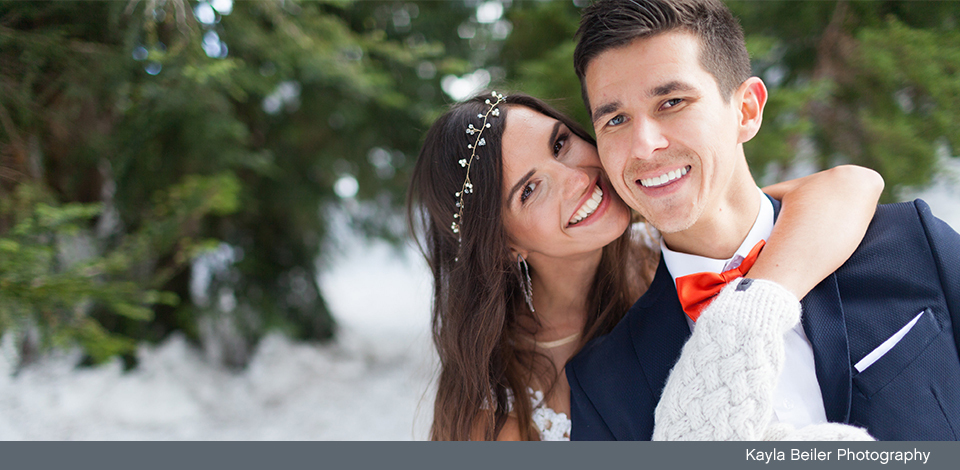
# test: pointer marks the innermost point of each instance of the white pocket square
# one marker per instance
(887, 345)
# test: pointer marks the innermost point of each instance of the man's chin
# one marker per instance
(668, 222)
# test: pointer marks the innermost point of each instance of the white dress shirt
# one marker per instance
(797, 399)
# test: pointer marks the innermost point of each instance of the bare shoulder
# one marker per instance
(511, 430)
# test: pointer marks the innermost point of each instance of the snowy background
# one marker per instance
(372, 383)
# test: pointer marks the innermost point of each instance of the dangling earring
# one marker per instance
(526, 287)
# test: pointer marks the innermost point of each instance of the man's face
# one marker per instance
(667, 139)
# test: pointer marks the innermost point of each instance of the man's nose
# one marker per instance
(647, 137)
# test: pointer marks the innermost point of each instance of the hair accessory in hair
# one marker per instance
(478, 141)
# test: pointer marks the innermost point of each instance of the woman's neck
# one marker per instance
(561, 288)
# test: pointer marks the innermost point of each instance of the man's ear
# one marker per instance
(751, 96)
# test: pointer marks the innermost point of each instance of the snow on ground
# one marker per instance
(372, 383)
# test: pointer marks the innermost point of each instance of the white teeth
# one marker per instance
(664, 178)
(589, 206)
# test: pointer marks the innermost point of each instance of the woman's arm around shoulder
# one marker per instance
(822, 221)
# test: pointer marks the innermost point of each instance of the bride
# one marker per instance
(533, 254)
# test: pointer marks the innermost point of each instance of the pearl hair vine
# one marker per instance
(478, 141)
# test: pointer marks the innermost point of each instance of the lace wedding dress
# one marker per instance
(552, 426)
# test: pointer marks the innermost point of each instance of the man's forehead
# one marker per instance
(659, 65)
(675, 47)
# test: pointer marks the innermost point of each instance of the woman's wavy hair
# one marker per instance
(479, 317)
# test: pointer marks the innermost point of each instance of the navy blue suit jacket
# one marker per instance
(908, 262)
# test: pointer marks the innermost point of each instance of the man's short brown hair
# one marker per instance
(608, 24)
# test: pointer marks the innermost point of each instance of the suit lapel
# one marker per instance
(659, 331)
(825, 327)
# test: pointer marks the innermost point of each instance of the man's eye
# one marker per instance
(616, 121)
(527, 191)
(672, 102)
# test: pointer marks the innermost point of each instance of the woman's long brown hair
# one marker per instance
(478, 313)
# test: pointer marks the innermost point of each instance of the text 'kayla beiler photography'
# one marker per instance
(840, 455)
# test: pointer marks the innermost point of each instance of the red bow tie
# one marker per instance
(696, 291)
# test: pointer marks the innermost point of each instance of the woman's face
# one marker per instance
(557, 200)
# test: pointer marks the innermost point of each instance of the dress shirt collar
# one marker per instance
(682, 264)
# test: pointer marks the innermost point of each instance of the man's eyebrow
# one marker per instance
(661, 90)
(670, 87)
(605, 109)
(520, 184)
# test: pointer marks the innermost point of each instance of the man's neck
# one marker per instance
(722, 227)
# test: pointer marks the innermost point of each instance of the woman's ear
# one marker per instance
(752, 96)
(515, 251)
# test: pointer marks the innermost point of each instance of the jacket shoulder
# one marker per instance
(599, 353)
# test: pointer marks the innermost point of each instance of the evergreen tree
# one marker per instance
(124, 104)
(171, 164)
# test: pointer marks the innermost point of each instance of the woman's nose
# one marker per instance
(576, 182)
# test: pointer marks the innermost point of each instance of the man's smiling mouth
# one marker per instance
(665, 178)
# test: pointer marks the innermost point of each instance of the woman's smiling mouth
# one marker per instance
(589, 206)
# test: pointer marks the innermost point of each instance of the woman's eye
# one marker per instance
(527, 191)
(558, 145)
(616, 121)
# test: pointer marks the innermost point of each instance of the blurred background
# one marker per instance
(201, 225)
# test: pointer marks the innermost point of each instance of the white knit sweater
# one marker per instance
(722, 386)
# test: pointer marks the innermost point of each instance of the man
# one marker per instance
(670, 94)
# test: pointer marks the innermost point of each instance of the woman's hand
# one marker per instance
(823, 219)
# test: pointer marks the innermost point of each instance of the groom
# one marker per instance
(672, 100)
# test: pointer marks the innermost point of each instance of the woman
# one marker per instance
(532, 256)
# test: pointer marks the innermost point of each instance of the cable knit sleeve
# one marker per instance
(722, 386)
